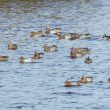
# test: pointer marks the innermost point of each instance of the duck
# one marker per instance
(85, 50)
(84, 36)
(86, 79)
(69, 83)
(52, 48)
(27, 60)
(72, 36)
(38, 55)
(59, 36)
(79, 52)
(106, 37)
(88, 60)
(48, 30)
(4, 58)
(12, 46)
(75, 55)
(69, 36)
(76, 50)
(37, 34)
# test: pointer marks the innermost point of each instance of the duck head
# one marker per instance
(32, 34)
(46, 45)
(48, 30)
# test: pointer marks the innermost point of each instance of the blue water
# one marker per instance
(40, 86)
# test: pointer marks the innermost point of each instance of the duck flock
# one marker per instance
(74, 52)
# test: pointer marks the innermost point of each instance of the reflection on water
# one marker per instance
(40, 85)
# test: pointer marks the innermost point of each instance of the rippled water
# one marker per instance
(40, 86)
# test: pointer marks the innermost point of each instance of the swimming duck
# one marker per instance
(88, 60)
(106, 37)
(84, 36)
(48, 30)
(75, 55)
(69, 36)
(78, 52)
(52, 48)
(85, 50)
(4, 58)
(38, 55)
(86, 79)
(12, 46)
(72, 36)
(69, 83)
(27, 60)
(59, 36)
(37, 34)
